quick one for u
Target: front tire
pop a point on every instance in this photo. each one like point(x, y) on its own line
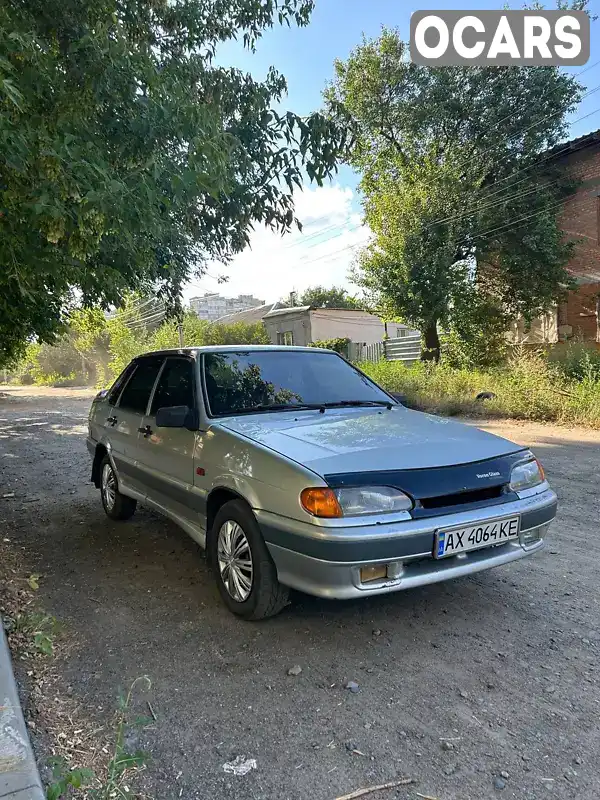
point(116, 505)
point(244, 570)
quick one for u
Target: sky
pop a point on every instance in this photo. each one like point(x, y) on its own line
point(323, 253)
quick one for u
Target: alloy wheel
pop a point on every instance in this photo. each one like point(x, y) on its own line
point(109, 486)
point(235, 561)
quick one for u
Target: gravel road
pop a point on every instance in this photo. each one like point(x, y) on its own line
point(480, 688)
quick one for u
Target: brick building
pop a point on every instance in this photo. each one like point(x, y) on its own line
point(579, 316)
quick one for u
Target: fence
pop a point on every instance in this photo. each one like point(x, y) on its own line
point(404, 348)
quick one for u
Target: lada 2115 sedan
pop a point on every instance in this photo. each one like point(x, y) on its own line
point(295, 470)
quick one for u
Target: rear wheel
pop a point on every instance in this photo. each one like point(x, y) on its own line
point(244, 570)
point(116, 505)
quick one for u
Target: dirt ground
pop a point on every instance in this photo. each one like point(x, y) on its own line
point(484, 687)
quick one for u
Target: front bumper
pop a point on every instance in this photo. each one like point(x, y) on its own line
point(326, 562)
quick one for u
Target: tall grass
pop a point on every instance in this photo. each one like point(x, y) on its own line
point(530, 387)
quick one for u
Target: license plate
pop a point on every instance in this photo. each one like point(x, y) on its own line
point(474, 537)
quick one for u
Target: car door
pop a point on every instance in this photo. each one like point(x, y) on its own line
point(127, 417)
point(166, 455)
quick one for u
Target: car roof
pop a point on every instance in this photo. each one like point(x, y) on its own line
point(233, 348)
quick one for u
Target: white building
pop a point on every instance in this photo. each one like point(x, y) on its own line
point(212, 305)
point(302, 325)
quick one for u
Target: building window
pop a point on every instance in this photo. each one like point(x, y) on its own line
point(401, 332)
point(285, 337)
point(598, 218)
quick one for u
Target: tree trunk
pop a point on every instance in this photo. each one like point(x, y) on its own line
point(431, 343)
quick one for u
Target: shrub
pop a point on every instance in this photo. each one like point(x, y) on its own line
point(527, 387)
point(52, 365)
point(476, 339)
point(340, 345)
point(577, 361)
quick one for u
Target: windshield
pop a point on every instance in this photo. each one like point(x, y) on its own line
point(246, 381)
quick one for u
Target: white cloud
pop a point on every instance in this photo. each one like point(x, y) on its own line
point(273, 265)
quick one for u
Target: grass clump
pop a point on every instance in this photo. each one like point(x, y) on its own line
point(529, 386)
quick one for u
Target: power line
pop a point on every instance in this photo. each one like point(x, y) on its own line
point(485, 206)
point(135, 321)
point(483, 234)
point(331, 255)
point(533, 125)
point(512, 224)
point(497, 190)
point(577, 74)
point(145, 322)
point(484, 196)
point(133, 309)
point(587, 69)
point(555, 113)
point(302, 240)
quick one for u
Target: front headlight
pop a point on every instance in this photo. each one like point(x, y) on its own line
point(527, 475)
point(357, 500)
point(354, 501)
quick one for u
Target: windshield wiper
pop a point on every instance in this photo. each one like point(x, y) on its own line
point(264, 407)
point(357, 403)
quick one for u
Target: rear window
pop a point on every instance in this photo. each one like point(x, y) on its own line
point(136, 393)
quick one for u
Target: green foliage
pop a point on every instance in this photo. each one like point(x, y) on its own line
point(65, 779)
point(527, 387)
point(578, 362)
point(57, 365)
point(320, 297)
point(95, 349)
point(455, 193)
point(340, 345)
point(129, 158)
point(125, 343)
point(40, 628)
point(122, 764)
point(477, 338)
point(237, 333)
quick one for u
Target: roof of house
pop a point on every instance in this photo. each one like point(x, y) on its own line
point(320, 309)
point(288, 310)
point(249, 316)
point(579, 143)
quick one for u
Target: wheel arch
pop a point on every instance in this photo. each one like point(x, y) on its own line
point(99, 454)
point(215, 501)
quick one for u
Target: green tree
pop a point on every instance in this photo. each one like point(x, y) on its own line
point(128, 158)
point(457, 193)
point(321, 297)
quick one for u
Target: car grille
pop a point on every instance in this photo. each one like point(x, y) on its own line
point(462, 498)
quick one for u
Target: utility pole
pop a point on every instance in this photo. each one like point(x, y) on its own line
point(180, 331)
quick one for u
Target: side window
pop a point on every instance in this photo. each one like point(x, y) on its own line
point(115, 389)
point(136, 393)
point(176, 385)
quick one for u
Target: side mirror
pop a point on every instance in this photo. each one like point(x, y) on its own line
point(399, 398)
point(178, 417)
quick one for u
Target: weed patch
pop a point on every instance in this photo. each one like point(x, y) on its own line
point(530, 386)
point(114, 782)
point(87, 760)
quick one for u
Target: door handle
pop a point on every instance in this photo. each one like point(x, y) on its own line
point(147, 431)
point(112, 421)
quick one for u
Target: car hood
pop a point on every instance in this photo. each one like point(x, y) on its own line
point(369, 440)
